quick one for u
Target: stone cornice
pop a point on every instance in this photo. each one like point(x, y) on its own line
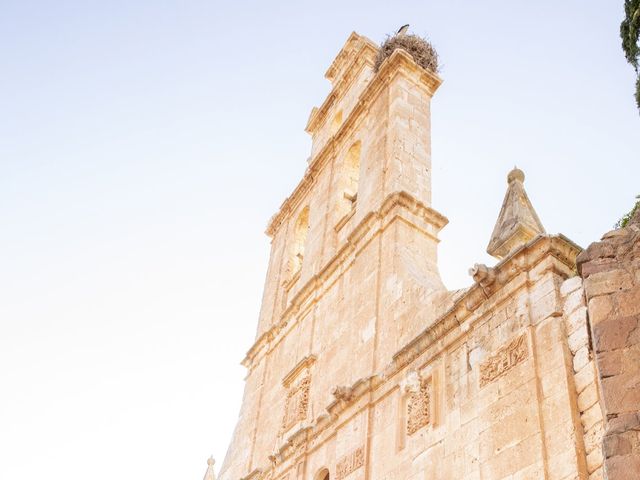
point(522, 259)
point(372, 223)
point(389, 69)
point(306, 362)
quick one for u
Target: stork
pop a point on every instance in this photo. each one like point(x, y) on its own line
point(403, 29)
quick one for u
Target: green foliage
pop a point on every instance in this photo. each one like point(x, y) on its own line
point(630, 35)
point(624, 221)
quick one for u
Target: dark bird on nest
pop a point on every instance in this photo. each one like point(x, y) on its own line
point(403, 29)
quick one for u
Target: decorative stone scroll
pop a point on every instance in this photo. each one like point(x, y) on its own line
point(504, 360)
point(418, 406)
point(297, 403)
point(350, 463)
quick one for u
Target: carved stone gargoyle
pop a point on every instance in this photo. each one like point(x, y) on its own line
point(482, 274)
point(344, 394)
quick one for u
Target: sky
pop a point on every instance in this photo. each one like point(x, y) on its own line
point(145, 144)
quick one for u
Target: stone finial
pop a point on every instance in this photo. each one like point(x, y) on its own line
point(210, 474)
point(517, 222)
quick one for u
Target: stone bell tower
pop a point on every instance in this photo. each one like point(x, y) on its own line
point(365, 367)
point(353, 268)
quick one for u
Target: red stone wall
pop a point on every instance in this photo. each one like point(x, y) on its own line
point(611, 273)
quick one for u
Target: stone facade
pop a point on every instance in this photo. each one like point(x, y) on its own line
point(365, 367)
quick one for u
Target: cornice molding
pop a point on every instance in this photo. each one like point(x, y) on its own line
point(369, 226)
point(306, 362)
point(521, 260)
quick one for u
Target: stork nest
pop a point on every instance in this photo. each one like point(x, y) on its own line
point(419, 48)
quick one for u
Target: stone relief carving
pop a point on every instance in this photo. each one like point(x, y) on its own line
point(504, 360)
point(297, 403)
point(350, 463)
point(418, 404)
point(342, 393)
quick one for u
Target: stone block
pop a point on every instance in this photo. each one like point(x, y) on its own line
point(621, 392)
point(598, 265)
point(585, 376)
point(609, 363)
point(591, 417)
point(577, 319)
point(628, 302)
point(578, 339)
point(594, 251)
point(581, 358)
point(623, 467)
point(587, 397)
point(573, 301)
point(613, 334)
point(594, 460)
point(570, 285)
point(614, 445)
point(593, 436)
point(602, 283)
point(623, 423)
point(600, 308)
point(561, 465)
point(598, 474)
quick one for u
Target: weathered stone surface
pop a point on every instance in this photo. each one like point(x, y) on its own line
point(612, 287)
point(616, 445)
point(584, 377)
point(366, 367)
point(607, 282)
point(590, 418)
point(614, 334)
point(570, 285)
point(581, 358)
point(578, 339)
point(594, 459)
point(577, 319)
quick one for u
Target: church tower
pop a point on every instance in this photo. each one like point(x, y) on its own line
point(364, 367)
point(353, 273)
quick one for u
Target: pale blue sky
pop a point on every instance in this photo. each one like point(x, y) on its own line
point(145, 144)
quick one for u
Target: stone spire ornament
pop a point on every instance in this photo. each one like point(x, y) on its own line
point(518, 222)
point(210, 474)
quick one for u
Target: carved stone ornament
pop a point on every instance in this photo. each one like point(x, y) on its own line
point(418, 406)
point(297, 403)
point(504, 360)
point(482, 274)
point(343, 393)
point(350, 463)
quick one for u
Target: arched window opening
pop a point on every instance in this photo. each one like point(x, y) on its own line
point(299, 240)
point(336, 122)
point(322, 475)
point(352, 173)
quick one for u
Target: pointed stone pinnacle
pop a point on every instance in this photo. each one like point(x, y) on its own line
point(210, 473)
point(517, 222)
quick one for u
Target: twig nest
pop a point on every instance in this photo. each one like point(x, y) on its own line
point(420, 49)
